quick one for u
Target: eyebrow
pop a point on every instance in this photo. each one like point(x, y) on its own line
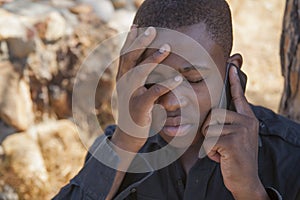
point(195, 67)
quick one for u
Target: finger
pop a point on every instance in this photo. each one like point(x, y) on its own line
point(221, 129)
point(159, 89)
point(131, 37)
point(216, 147)
point(211, 149)
point(138, 47)
point(222, 116)
point(226, 142)
point(131, 55)
point(237, 93)
point(207, 149)
point(147, 66)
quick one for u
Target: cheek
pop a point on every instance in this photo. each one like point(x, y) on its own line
point(203, 100)
point(203, 95)
point(209, 92)
point(208, 96)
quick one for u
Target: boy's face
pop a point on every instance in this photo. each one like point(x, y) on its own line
point(188, 105)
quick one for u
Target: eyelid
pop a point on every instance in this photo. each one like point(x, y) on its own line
point(196, 81)
point(200, 68)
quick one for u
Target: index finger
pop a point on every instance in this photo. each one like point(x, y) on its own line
point(241, 104)
point(133, 48)
point(131, 36)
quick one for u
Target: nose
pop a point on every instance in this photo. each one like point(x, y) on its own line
point(171, 102)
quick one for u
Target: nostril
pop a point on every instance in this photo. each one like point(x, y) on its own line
point(183, 101)
point(173, 113)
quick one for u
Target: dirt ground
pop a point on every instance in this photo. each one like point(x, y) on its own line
point(257, 30)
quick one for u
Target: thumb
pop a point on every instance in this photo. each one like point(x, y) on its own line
point(238, 97)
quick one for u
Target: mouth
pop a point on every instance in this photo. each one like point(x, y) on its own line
point(177, 130)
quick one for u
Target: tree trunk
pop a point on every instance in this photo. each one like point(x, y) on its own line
point(290, 60)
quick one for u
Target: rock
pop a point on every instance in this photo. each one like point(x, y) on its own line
point(138, 3)
point(2, 155)
point(5, 130)
point(63, 3)
point(52, 28)
point(81, 9)
point(90, 80)
point(19, 48)
point(62, 150)
point(15, 99)
point(1, 151)
point(7, 192)
point(72, 21)
point(119, 3)
point(104, 9)
point(59, 100)
point(16, 28)
point(40, 161)
point(4, 1)
point(24, 159)
point(43, 63)
point(122, 20)
point(4, 55)
point(56, 26)
point(29, 9)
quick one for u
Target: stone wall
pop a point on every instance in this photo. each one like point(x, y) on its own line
point(43, 44)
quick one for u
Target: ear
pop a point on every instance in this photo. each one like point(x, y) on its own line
point(236, 59)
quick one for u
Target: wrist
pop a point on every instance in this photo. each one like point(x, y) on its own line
point(126, 141)
point(258, 193)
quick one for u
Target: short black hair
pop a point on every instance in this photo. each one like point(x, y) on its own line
point(173, 14)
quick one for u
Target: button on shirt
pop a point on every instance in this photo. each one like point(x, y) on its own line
point(278, 163)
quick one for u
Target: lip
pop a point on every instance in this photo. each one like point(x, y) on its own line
point(174, 121)
point(177, 130)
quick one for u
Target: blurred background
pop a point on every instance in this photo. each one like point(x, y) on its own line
point(42, 46)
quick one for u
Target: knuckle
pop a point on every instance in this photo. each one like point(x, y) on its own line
point(254, 123)
point(155, 58)
point(157, 89)
point(218, 113)
point(138, 72)
point(234, 141)
point(243, 129)
point(238, 98)
point(142, 42)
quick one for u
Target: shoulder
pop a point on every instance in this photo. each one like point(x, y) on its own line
point(279, 153)
point(275, 125)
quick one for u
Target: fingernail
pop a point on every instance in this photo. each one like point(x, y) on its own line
point(178, 78)
point(235, 70)
point(148, 31)
point(202, 153)
point(164, 48)
point(133, 26)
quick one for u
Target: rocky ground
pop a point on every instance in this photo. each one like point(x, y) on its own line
point(43, 44)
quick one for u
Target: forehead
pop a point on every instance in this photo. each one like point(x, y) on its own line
point(190, 45)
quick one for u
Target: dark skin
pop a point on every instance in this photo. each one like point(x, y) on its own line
point(237, 147)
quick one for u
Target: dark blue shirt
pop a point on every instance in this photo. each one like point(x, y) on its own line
point(278, 164)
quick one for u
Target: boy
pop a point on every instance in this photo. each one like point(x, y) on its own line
point(245, 153)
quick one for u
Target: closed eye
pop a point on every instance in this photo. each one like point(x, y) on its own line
point(196, 81)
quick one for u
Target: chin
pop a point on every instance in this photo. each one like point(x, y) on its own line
point(182, 136)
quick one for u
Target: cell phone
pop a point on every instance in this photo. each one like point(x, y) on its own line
point(226, 98)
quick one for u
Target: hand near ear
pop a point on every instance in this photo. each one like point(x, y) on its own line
point(231, 139)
